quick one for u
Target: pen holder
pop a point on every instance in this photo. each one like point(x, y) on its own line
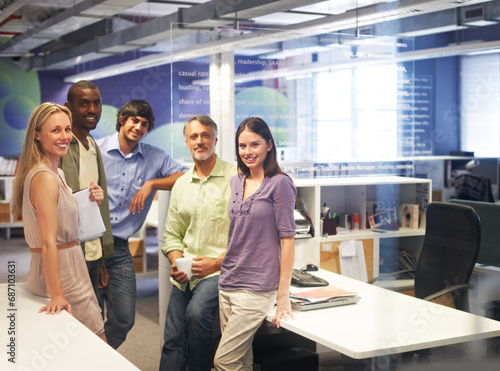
point(330, 226)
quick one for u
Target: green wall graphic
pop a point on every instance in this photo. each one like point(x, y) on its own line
point(19, 95)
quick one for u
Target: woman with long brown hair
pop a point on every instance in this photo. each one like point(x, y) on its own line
point(257, 267)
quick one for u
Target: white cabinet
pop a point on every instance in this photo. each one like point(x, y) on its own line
point(355, 195)
point(6, 219)
point(144, 255)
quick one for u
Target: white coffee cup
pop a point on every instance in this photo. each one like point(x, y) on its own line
point(184, 264)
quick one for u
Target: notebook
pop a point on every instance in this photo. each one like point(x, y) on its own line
point(90, 224)
point(324, 297)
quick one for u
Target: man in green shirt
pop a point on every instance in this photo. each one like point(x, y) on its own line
point(82, 164)
point(197, 226)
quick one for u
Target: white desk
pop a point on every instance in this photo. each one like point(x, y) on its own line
point(57, 342)
point(385, 322)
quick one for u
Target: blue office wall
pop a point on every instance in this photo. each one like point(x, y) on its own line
point(154, 85)
point(446, 106)
point(33, 88)
point(444, 134)
point(444, 73)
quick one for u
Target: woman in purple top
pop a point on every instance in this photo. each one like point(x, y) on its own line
point(257, 267)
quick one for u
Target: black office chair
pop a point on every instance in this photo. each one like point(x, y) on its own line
point(448, 255)
point(474, 187)
point(489, 255)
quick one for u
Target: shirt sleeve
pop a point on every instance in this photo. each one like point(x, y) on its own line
point(284, 204)
point(170, 166)
point(175, 230)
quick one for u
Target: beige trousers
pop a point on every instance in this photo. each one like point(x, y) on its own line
point(241, 314)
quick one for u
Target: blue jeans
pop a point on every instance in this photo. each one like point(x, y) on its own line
point(119, 297)
point(188, 327)
point(93, 268)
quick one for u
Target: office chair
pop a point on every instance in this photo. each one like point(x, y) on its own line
point(489, 255)
point(448, 255)
point(469, 186)
point(489, 214)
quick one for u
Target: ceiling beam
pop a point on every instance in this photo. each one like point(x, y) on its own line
point(221, 13)
point(374, 14)
point(12, 8)
point(432, 23)
point(218, 12)
point(368, 15)
point(69, 20)
point(208, 14)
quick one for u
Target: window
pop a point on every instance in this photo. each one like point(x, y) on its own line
point(480, 105)
point(357, 114)
point(334, 115)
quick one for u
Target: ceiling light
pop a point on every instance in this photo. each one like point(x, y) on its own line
point(480, 23)
point(432, 31)
point(475, 16)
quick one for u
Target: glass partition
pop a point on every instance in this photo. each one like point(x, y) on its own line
point(337, 104)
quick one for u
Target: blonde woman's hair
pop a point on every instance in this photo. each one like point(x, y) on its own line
point(32, 154)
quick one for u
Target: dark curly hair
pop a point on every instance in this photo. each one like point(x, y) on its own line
point(134, 108)
point(82, 84)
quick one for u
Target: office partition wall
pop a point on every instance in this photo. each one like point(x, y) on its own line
point(328, 97)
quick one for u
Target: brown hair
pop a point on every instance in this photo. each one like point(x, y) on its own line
point(259, 126)
point(136, 108)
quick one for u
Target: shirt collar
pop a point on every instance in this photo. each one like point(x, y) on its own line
point(218, 170)
point(114, 145)
point(75, 140)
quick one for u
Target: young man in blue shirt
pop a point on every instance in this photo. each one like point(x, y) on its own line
point(134, 171)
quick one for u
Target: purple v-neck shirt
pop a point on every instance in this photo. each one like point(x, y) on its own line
point(252, 260)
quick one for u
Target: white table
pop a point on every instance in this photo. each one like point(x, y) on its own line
point(385, 322)
point(51, 342)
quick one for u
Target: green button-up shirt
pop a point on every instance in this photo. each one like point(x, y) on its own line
point(197, 220)
point(70, 165)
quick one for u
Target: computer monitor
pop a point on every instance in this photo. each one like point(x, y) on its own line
point(489, 215)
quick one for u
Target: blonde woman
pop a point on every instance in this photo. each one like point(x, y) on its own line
point(50, 216)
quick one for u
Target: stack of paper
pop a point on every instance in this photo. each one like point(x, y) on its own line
point(8, 166)
point(321, 294)
point(323, 297)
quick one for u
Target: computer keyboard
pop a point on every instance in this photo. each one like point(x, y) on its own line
point(303, 278)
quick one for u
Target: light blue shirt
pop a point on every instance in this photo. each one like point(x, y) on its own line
point(125, 175)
